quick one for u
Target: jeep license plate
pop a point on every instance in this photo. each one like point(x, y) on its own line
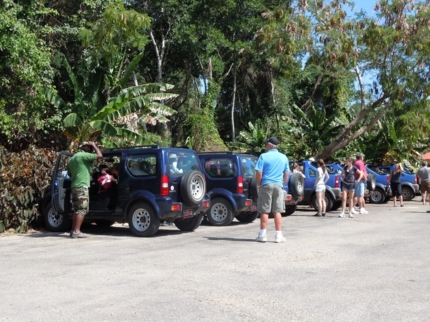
point(187, 213)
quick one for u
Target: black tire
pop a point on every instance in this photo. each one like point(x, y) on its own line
point(371, 182)
point(253, 189)
point(377, 196)
point(328, 199)
point(104, 223)
point(296, 185)
point(189, 224)
point(142, 220)
point(57, 222)
point(336, 205)
point(408, 193)
point(247, 216)
point(387, 198)
point(193, 188)
point(220, 212)
point(289, 210)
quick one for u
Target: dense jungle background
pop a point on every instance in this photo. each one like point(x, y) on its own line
point(327, 79)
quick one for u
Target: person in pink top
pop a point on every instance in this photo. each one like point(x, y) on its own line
point(360, 186)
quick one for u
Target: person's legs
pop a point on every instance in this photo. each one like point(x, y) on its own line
point(264, 219)
point(344, 197)
point(278, 221)
point(324, 204)
point(264, 203)
point(319, 202)
point(80, 198)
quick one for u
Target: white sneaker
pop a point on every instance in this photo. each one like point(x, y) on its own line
point(351, 215)
point(363, 211)
point(280, 239)
point(261, 239)
point(342, 214)
point(353, 212)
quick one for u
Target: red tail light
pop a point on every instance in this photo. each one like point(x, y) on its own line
point(336, 181)
point(387, 180)
point(416, 179)
point(164, 190)
point(240, 184)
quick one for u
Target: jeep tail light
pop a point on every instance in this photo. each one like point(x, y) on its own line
point(387, 180)
point(336, 181)
point(416, 180)
point(206, 204)
point(164, 191)
point(240, 184)
point(175, 207)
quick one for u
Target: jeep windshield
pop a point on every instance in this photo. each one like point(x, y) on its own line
point(181, 162)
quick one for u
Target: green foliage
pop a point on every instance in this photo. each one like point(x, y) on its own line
point(24, 177)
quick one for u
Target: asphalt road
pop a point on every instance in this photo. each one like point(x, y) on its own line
point(374, 267)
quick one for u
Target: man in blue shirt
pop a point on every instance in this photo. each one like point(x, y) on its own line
point(272, 172)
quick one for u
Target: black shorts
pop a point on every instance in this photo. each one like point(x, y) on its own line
point(396, 189)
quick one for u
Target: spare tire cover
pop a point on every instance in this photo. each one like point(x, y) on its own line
point(296, 185)
point(253, 189)
point(371, 182)
point(192, 187)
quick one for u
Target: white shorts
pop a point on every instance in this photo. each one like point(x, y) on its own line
point(320, 188)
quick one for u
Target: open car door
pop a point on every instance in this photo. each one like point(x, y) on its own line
point(61, 184)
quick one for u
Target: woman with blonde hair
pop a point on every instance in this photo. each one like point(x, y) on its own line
point(320, 187)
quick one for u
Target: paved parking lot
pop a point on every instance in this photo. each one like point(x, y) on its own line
point(374, 267)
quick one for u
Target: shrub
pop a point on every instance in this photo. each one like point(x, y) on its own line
point(23, 179)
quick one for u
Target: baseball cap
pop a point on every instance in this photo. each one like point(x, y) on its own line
point(272, 140)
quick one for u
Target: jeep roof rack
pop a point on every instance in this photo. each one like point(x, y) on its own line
point(152, 146)
point(218, 152)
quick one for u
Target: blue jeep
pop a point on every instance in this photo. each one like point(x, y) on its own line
point(410, 186)
point(154, 184)
point(231, 184)
point(382, 192)
point(333, 192)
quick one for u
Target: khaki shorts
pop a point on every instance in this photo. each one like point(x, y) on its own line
point(271, 198)
point(425, 186)
point(81, 200)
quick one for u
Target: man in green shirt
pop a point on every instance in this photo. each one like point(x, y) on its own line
point(80, 169)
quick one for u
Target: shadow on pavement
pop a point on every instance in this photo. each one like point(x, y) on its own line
point(231, 239)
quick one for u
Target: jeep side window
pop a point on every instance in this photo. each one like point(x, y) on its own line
point(312, 173)
point(248, 165)
point(182, 162)
point(142, 165)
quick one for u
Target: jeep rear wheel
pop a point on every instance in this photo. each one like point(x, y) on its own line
point(328, 200)
point(247, 216)
point(408, 193)
point(289, 210)
point(371, 182)
point(220, 213)
point(193, 188)
point(55, 221)
point(142, 220)
point(253, 189)
point(189, 224)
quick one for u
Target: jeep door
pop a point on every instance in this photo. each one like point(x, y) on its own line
point(61, 184)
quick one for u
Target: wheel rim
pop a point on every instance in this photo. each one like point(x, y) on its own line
point(299, 187)
point(219, 212)
point(197, 188)
point(376, 196)
point(406, 193)
point(141, 219)
point(54, 219)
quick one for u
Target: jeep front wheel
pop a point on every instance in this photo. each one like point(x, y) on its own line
point(142, 220)
point(55, 221)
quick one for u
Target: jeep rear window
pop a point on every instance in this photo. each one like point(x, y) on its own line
point(182, 162)
point(248, 165)
point(142, 165)
point(221, 168)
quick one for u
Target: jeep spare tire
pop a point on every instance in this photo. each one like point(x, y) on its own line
point(192, 187)
point(253, 189)
point(371, 182)
point(296, 185)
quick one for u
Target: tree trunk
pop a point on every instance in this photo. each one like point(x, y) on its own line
point(233, 134)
